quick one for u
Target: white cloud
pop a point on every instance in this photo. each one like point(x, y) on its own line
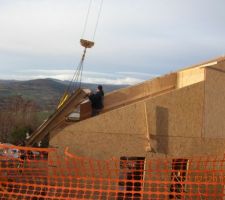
point(116, 81)
point(141, 36)
point(128, 78)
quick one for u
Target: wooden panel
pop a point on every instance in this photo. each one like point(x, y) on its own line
point(135, 93)
point(124, 130)
point(175, 119)
point(116, 133)
point(190, 76)
point(178, 113)
point(126, 120)
point(100, 145)
point(182, 147)
point(215, 101)
point(59, 116)
point(206, 63)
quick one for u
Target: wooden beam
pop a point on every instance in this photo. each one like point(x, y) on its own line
point(60, 115)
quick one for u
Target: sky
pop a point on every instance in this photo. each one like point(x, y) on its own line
point(135, 40)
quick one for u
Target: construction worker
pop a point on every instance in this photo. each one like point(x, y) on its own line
point(97, 100)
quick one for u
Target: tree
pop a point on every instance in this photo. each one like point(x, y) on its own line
point(17, 116)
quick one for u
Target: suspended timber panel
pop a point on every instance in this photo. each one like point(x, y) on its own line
point(58, 117)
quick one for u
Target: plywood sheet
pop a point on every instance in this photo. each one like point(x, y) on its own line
point(177, 113)
point(100, 145)
point(132, 94)
point(215, 102)
point(182, 147)
point(59, 116)
point(126, 120)
point(119, 132)
point(190, 76)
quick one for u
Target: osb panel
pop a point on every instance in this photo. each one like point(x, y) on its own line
point(215, 101)
point(100, 145)
point(58, 116)
point(181, 147)
point(126, 120)
point(177, 113)
point(131, 94)
point(190, 76)
point(205, 64)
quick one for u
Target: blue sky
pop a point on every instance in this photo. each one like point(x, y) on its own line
point(135, 40)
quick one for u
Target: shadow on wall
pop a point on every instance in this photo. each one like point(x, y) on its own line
point(162, 125)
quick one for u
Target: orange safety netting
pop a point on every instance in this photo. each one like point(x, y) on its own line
point(45, 174)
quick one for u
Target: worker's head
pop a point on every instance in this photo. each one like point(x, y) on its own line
point(99, 88)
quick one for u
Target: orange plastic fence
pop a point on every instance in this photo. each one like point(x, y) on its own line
point(45, 174)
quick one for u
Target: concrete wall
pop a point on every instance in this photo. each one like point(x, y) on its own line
point(215, 101)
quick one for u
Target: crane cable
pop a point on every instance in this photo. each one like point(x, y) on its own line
point(76, 80)
point(86, 18)
point(97, 22)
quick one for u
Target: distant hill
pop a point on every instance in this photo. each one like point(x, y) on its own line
point(45, 92)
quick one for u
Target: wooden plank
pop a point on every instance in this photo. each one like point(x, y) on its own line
point(190, 77)
point(59, 116)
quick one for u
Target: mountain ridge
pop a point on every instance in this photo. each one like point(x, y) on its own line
point(44, 92)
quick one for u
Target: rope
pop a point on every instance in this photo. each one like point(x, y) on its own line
point(99, 14)
point(77, 77)
point(86, 19)
point(81, 67)
point(75, 82)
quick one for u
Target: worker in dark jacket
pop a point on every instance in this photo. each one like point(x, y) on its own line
point(97, 100)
